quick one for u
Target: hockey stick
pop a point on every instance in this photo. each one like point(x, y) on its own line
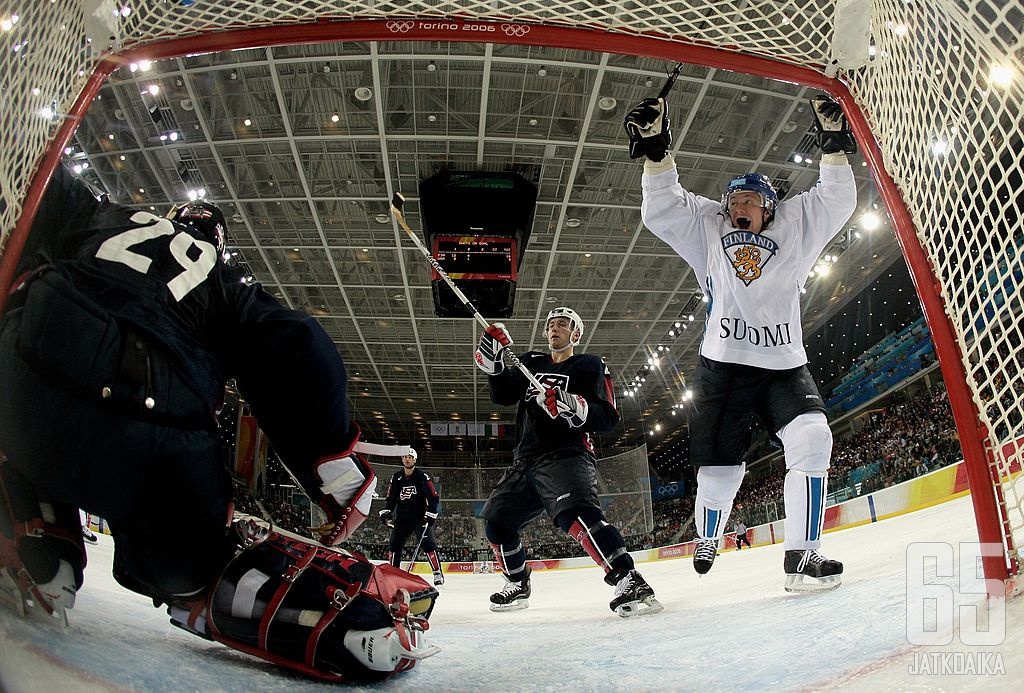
point(419, 544)
point(637, 147)
point(396, 209)
point(671, 80)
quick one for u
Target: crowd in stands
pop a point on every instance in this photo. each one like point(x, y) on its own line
point(891, 445)
point(887, 445)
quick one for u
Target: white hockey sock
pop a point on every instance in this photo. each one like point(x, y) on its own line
point(716, 489)
point(805, 509)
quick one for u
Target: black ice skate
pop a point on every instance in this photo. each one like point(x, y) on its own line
point(634, 597)
point(514, 596)
point(704, 555)
point(88, 535)
point(438, 578)
point(809, 571)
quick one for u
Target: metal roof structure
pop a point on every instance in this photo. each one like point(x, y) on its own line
point(303, 147)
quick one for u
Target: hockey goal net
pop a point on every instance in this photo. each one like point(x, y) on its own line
point(935, 102)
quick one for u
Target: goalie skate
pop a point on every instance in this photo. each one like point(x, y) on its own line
point(50, 600)
point(809, 571)
point(634, 597)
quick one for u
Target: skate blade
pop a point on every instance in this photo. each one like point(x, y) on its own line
point(805, 583)
point(517, 605)
point(644, 607)
point(28, 604)
point(44, 607)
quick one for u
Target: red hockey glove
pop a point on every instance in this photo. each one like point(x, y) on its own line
point(494, 340)
point(557, 402)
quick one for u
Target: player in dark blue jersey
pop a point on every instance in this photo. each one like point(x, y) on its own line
point(553, 462)
point(411, 509)
point(115, 347)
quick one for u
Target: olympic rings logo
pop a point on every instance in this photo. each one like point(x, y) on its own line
point(403, 27)
point(515, 29)
point(668, 489)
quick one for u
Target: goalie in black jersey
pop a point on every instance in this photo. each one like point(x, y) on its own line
point(553, 462)
point(115, 347)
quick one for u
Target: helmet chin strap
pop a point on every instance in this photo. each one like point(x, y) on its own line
point(568, 346)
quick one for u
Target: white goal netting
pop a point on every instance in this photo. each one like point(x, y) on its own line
point(941, 90)
point(623, 485)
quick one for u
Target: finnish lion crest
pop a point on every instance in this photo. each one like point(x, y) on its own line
point(748, 253)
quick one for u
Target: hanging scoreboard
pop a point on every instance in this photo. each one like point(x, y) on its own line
point(477, 226)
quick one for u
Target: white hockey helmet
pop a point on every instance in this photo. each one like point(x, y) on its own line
point(575, 322)
point(412, 453)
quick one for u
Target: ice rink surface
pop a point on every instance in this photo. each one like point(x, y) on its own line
point(734, 629)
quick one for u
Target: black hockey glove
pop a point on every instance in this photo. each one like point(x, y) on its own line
point(648, 129)
point(831, 131)
point(429, 518)
point(386, 518)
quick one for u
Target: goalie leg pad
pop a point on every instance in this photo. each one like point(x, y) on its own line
point(292, 602)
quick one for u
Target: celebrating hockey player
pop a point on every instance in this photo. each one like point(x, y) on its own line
point(115, 347)
point(751, 254)
point(553, 462)
point(410, 509)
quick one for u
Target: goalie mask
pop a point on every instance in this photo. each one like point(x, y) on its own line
point(207, 219)
point(575, 323)
point(756, 183)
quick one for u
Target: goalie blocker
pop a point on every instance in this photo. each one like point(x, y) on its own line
point(320, 611)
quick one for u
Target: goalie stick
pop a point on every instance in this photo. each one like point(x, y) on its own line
point(396, 209)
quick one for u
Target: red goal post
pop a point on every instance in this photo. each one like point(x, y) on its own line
point(935, 107)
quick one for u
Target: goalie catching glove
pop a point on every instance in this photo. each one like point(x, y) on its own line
point(557, 402)
point(831, 131)
point(648, 128)
point(493, 342)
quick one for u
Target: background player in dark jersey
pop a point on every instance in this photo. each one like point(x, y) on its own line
point(553, 462)
point(115, 347)
point(410, 509)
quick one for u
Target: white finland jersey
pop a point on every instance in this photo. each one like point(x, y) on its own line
point(752, 281)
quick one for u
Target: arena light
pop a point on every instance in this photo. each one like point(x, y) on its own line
point(870, 221)
point(1001, 75)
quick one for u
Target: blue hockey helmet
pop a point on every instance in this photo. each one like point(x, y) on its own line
point(752, 182)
